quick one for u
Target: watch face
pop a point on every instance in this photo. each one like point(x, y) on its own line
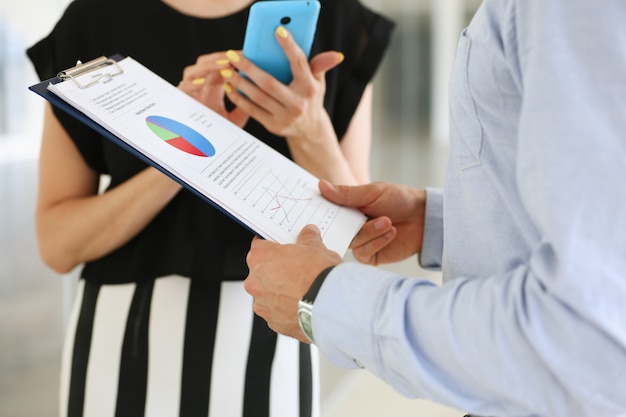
point(304, 319)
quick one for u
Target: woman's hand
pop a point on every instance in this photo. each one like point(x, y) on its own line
point(204, 82)
point(294, 110)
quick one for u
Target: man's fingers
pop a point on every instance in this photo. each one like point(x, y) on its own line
point(371, 239)
point(371, 230)
point(257, 252)
point(368, 253)
point(255, 240)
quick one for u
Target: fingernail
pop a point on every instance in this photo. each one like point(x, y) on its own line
point(312, 227)
point(198, 81)
point(380, 224)
point(282, 32)
point(232, 55)
point(227, 88)
point(341, 57)
point(331, 185)
point(223, 61)
point(226, 73)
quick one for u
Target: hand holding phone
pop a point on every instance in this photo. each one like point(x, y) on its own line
point(299, 17)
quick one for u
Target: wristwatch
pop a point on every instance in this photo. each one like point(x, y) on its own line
point(305, 305)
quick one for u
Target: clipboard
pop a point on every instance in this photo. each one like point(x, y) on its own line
point(72, 73)
point(337, 224)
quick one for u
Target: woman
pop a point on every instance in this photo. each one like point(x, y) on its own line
point(161, 323)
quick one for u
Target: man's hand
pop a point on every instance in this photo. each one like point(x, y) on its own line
point(281, 274)
point(396, 228)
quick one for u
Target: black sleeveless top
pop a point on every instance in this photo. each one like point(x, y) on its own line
point(190, 237)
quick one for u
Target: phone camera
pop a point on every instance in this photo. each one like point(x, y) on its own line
point(285, 20)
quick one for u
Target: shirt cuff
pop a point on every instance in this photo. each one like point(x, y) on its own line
point(345, 311)
point(360, 321)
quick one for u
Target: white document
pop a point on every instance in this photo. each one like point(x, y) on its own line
point(254, 183)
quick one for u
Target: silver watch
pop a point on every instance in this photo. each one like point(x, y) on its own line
point(305, 316)
point(305, 305)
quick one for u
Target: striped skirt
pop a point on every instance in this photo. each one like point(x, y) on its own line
point(176, 347)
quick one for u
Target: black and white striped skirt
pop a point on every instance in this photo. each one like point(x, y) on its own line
point(176, 347)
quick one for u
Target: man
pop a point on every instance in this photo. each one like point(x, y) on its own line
point(530, 232)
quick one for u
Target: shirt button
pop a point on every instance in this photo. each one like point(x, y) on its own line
point(359, 364)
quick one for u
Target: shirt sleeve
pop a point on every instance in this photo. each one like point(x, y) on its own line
point(547, 335)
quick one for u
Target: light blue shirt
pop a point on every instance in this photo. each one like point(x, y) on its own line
point(530, 231)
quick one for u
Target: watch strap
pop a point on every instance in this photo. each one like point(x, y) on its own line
point(310, 295)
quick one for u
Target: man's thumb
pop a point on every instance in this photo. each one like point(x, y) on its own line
point(331, 192)
point(310, 234)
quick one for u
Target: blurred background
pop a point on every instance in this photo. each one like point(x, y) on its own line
point(410, 147)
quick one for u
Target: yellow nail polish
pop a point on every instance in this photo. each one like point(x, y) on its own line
point(226, 73)
point(282, 32)
point(198, 81)
point(341, 57)
point(222, 61)
point(227, 88)
point(232, 55)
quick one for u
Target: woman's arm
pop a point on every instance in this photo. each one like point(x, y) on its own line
point(345, 162)
point(76, 224)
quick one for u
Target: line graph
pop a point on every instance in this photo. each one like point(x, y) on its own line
point(282, 200)
point(286, 201)
point(283, 197)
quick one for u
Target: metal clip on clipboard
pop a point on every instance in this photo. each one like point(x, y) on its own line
point(95, 64)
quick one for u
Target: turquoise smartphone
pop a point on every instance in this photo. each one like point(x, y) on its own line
point(299, 17)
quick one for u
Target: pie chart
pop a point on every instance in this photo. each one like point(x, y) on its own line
point(180, 136)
